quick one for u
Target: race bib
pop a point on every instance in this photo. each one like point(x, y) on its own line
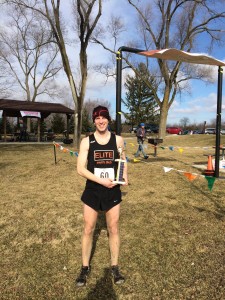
point(105, 173)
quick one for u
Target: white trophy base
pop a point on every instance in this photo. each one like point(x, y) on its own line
point(119, 182)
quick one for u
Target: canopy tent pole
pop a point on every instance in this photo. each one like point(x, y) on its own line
point(118, 91)
point(218, 120)
point(119, 83)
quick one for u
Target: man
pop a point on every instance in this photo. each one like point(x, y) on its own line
point(96, 163)
point(141, 134)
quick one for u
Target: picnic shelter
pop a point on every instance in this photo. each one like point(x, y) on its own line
point(28, 109)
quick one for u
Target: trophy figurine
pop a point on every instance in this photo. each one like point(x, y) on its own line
point(119, 174)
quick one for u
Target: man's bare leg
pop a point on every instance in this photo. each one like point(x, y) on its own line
point(112, 220)
point(90, 218)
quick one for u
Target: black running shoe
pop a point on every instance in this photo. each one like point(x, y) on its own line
point(146, 156)
point(118, 278)
point(82, 278)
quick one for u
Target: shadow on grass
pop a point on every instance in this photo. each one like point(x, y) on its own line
point(155, 159)
point(204, 162)
point(219, 212)
point(219, 208)
point(18, 147)
point(5, 165)
point(103, 288)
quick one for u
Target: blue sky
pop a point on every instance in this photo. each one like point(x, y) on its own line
point(200, 106)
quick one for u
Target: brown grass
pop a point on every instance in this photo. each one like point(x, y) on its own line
point(172, 229)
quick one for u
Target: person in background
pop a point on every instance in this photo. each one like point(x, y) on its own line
point(141, 135)
point(96, 163)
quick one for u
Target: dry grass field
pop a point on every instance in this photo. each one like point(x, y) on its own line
point(172, 229)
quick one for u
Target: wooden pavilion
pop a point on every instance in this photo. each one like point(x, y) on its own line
point(39, 110)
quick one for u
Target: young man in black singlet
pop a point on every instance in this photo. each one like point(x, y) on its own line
point(96, 163)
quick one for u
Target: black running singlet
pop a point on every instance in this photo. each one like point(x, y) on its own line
point(101, 158)
point(101, 162)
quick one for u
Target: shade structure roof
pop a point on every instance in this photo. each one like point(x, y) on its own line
point(12, 108)
point(179, 55)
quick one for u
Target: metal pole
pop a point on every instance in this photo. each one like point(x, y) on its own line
point(118, 91)
point(54, 154)
point(218, 121)
point(119, 83)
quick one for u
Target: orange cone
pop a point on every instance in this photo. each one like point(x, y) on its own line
point(209, 171)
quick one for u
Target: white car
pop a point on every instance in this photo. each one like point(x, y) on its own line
point(222, 131)
point(210, 131)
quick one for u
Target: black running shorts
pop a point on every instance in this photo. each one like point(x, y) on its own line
point(102, 198)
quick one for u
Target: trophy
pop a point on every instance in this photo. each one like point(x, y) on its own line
point(119, 174)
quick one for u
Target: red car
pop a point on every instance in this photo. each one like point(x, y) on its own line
point(174, 130)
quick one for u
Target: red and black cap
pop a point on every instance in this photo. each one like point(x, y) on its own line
point(100, 111)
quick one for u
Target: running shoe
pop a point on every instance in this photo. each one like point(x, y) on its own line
point(82, 278)
point(146, 156)
point(118, 278)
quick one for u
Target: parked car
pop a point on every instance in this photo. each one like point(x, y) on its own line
point(174, 130)
point(185, 132)
point(222, 131)
point(134, 128)
point(198, 132)
point(152, 128)
point(148, 128)
point(210, 131)
point(192, 132)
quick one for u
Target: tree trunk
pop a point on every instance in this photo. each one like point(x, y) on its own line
point(75, 132)
point(79, 121)
point(164, 114)
point(80, 98)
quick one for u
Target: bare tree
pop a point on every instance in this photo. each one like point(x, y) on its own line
point(87, 14)
point(6, 83)
point(184, 122)
point(28, 54)
point(113, 30)
point(177, 24)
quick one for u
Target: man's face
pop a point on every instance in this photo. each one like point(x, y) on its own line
point(101, 124)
